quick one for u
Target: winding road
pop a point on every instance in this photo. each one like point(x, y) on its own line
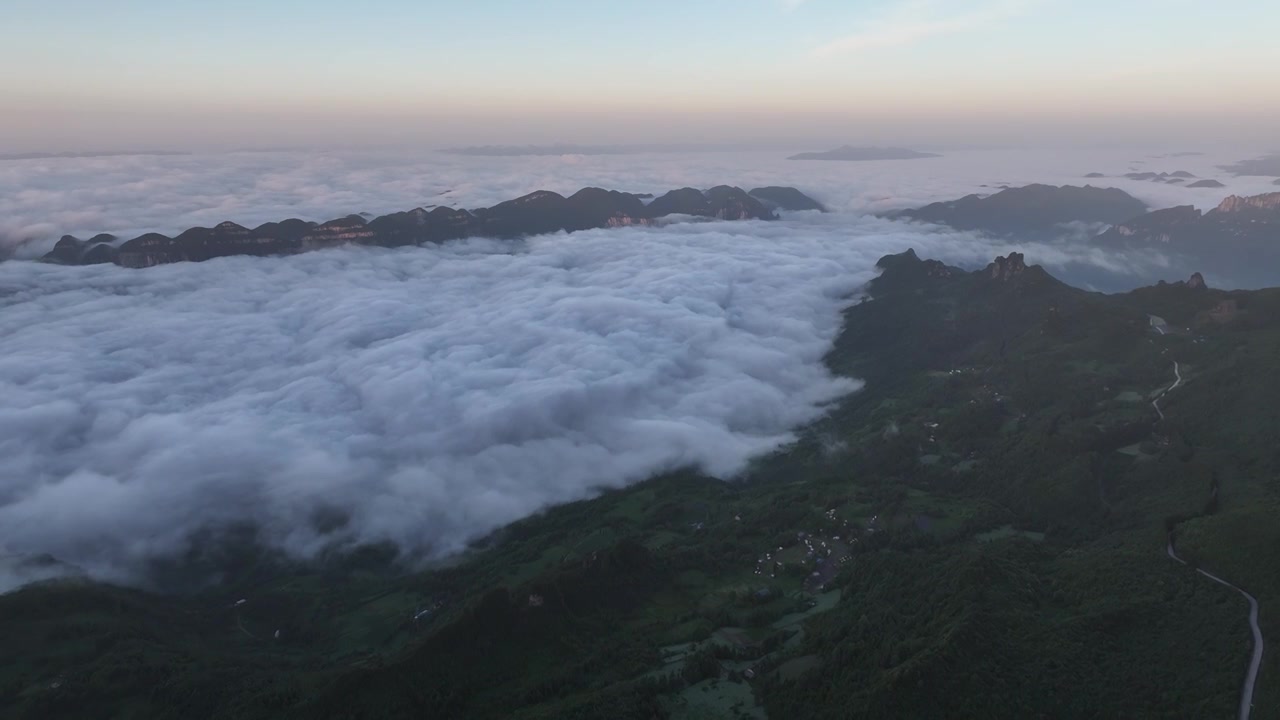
point(1177, 373)
point(1251, 679)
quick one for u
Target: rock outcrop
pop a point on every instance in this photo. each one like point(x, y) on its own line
point(536, 213)
point(1238, 240)
point(1235, 203)
point(1005, 269)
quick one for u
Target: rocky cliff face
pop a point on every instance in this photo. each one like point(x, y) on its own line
point(1004, 278)
point(535, 213)
point(1005, 269)
point(1157, 226)
point(1249, 220)
point(1237, 242)
point(1235, 203)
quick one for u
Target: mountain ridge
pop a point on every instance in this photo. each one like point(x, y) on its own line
point(1035, 209)
point(850, 153)
point(538, 212)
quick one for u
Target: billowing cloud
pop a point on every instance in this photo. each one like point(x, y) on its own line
point(425, 396)
point(421, 396)
point(43, 199)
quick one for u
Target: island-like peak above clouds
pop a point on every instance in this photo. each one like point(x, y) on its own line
point(536, 213)
point(1267, 165)
point(851, 153)
point(1030, 210)
point(786, 198)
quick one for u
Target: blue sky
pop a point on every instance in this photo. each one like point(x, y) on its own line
point(237, 68)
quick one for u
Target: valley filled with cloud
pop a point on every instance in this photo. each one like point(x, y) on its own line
point(420, 396)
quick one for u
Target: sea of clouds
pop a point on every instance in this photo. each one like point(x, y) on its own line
point(40, 200)
point(425, 396)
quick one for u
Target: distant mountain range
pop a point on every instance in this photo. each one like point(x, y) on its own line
point(573, 149)
point(1033, 211)
point(1266, 165)
point(1173, 178)
point(1238, 240)
point(850, 153)
point(1176, 177)
point(535, 213)
point(91, 154)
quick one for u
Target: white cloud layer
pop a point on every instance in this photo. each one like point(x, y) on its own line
point(430, 394)
point(42, 199)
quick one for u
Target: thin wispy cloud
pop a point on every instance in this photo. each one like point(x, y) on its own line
point(918, 20)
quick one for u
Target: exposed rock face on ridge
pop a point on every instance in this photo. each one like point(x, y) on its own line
point(1236, 220)
point(1239, 240)
point(1156, 226)
point(535, 213)
point(1005, 269)
point(1236, 203)
point(1005, 276)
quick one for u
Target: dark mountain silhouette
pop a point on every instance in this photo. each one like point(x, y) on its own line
point(1176, 176)
point(535, 213)
point(574, 149)
point(851, 153)
point(88, 154)
point(1034, 210)
point(1267, 165)
point(1206, 184)
point(1240, 238)
point(906, 272)
point(786, 198)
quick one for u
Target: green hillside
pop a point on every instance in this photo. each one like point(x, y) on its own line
point(979, 532)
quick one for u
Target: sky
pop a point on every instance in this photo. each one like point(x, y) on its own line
point(183, 74)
